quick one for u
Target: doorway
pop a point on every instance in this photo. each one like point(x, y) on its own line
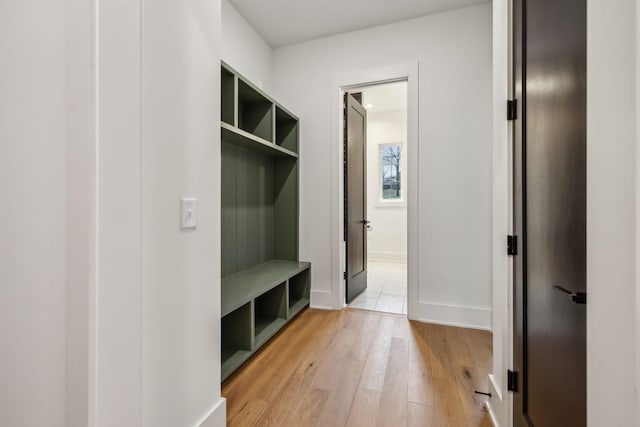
point(385, 215)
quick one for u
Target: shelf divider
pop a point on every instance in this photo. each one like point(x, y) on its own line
point(245, 139)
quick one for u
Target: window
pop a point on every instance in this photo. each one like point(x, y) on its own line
point(391, 172)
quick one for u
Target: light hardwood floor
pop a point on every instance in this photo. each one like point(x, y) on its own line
point(363, 368)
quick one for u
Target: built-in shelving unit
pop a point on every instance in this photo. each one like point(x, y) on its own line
point(264, 284)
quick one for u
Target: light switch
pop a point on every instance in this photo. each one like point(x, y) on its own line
point(188, 213)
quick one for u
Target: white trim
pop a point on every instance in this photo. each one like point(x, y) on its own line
point(355, 78)
point(637, 165)
point(454, 315)
point(389, 206)
point(92, 293)
point(115, 395)
point(500, 405)
point(492, 416)
point(217, 416)
point(495, 419)
point(502, 221)
point(493, 388)
point(322, 300)
point(379, 256)
point(82, 210)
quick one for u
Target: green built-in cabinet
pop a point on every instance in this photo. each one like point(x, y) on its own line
point(264, 284)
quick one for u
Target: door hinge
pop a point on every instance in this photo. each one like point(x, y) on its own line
point(512, 245)
point(345, 275)
point(512, 109)
point(512, 380)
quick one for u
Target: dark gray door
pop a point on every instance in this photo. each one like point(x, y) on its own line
point(550, 212)
point(355, 190)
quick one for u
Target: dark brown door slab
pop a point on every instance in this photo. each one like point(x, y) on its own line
point(355, 188)
point(550, 212)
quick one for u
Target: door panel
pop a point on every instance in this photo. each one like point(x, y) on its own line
point(550, 211)
point(355, 197)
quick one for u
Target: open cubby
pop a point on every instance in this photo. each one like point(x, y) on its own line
point(286, 130)
point(299, 291)
point(227, 96)
point(259, 208)
point(255, 112)
point(248, 284)
point(236, 337)
point(270, 312)
point(263, 281)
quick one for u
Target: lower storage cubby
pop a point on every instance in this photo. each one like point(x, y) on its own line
point(299, 291)
point(256, 304)
point(236, 338)
point(270, 313)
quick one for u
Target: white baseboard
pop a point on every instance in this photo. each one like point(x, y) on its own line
point(398, 257)
point(454, 315)
point(217, 416)
point(499, 405)
point(494, 405)
point(322, 300)
point(492, 415)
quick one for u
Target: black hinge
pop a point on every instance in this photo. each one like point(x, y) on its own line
point(512, 381)
point(512, 245)
point(345, 275)
point(512, 109)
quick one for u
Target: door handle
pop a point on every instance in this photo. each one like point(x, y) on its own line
point(577, 297)
point(365, 222)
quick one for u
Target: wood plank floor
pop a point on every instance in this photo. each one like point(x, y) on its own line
point(363, 368)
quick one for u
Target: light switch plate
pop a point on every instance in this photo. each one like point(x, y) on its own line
point(188, 213)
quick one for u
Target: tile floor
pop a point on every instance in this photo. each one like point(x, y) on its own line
point(386, 288)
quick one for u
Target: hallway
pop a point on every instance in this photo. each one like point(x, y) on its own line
point(361, 368)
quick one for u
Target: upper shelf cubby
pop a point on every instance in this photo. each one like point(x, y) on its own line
point(251, 118)
point(286, 130)
point(255, 112)
point(228, 96)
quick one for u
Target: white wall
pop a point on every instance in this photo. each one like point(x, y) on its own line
point(612, 215)
point(637, 138)
point(244, 49)
point(387, 239)
point(154, 330)
point(33, 214)
point(108, 314)
point(180, 158)
point(454, 50)
point(154, 322)
point(117, 293)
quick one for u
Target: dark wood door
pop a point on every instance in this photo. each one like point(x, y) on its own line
point(355, 190)
point(550, 212)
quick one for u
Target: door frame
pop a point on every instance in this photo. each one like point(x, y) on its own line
point(501, 404)
point(348, 80)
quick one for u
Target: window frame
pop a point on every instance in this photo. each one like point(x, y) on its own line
point(381, 202)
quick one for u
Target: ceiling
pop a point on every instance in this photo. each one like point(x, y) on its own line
point(284, 22)
point(384, 97)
